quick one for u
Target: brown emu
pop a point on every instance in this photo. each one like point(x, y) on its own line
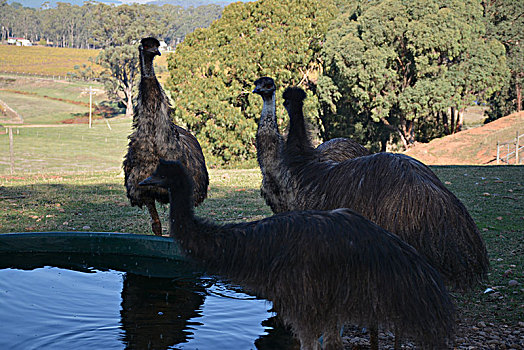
point(276, 188)
point(395, 191)
point(155, 136)
point(320, 269)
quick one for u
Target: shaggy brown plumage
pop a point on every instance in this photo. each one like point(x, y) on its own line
point(320, 269)
point(397, 192)
point(270, 144)
point(155, 136)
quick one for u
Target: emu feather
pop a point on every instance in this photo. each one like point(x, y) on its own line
point(395, 191)
point(155, 136)
point(321, 269)
point(270, 145)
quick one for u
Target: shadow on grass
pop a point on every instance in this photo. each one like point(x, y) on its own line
point(493, 196)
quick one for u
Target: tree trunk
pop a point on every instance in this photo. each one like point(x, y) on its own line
point(445, 122)
point(452, 114)
point(519, 97)
point(129, 104)
point(460, 120)
point(407, 132)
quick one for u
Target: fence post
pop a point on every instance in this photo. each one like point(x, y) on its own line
point(90, 104)
point(498, 152)
point(11, 151)
point(517, 148)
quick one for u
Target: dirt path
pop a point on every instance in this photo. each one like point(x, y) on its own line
point(470, 147)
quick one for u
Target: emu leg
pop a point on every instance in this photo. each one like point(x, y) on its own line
point(332, 339)
point(397, 339)
point(156, 225)
point(373, 338)
point(308, 342)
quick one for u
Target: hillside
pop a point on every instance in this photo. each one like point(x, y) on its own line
point(44, 61)
point(472, 146)
point(56, 61)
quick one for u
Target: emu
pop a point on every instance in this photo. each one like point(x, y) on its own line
point(155, 136)
point(276, 188)
point(320, 269)
point(395, 191)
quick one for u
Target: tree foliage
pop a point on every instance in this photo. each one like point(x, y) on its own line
point(506, 24)
point(405, 70)
point(66, 25)
point(213, 70)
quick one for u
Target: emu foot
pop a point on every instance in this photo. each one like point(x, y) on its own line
point(373, 338)
point(157, 227)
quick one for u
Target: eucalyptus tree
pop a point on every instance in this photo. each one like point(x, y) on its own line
point(118, 30)
point(213, 70)
point(405, 69)
point(506, 23)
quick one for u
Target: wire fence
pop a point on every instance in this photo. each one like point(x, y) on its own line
point(65, 77)
point(63, 148)
point(510, 151)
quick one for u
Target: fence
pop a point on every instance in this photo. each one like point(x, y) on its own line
point(68, 77)
point(506, 151)
point(11, 113)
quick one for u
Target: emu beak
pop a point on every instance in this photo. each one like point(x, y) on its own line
point(150, 181)
point(157, 52)
point(256, 90)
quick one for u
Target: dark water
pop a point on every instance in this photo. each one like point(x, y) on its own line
point(59, 308)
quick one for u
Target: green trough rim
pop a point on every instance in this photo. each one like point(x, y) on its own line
point(100, 243)
point(146, 255)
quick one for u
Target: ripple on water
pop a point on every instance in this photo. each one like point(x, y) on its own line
point(55, 308)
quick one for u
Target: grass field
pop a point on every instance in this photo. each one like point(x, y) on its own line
point(69, 178)
point(56, 62)
point(66, 148)
point(46, 101)
point(41, 60)
point(96, 201)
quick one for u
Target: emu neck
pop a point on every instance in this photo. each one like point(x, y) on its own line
point(298, 139)
point(181, 216)
point(268, 119)
point(146, 66)
point(276, 184)
point(152, 110)
point(268, 138)
point(203, 241)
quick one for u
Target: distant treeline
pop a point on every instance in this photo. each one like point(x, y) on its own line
point(76, 26)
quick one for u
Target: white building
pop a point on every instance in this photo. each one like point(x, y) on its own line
point(19, 42)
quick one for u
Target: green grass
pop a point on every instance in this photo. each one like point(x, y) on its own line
point(47, 202)
point(43, 101)
point(70, 90)
point(96, 201)
point(35, 110)
point(494, 196)
point(474, 116)
point(66, 148)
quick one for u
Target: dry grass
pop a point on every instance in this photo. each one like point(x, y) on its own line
point(57, 62)
point(46, 61)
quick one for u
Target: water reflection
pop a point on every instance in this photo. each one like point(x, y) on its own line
point(126, 309)
point(157, 312)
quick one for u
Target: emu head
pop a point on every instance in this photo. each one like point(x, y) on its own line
point(265, 86)
point(149, 46)
point(170, 175)
point(294, 96)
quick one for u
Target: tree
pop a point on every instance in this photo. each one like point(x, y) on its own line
point(506, 24)
point(213, 70)
point(405, 70)
point(118, 30)
point(120, 76)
